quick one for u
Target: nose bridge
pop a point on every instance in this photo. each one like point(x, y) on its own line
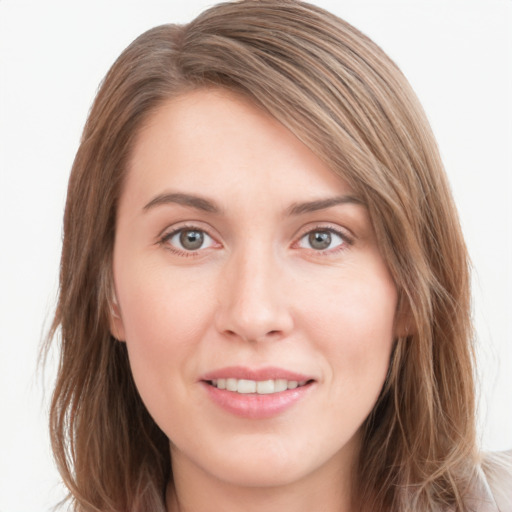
point(252, 304)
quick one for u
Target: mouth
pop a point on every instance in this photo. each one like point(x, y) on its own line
point(258, 387)
point(257, 393)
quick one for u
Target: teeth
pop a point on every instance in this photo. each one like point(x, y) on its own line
point(265, 387)
point(261, 387)
point(246, 386)
point(280, 385)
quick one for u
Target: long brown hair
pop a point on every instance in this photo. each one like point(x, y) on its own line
point(343, 97)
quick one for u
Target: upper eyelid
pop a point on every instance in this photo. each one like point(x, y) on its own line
point(190, 225)
point(173, 232)
point(344, 232)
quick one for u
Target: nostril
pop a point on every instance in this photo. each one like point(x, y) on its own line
point(274, 333)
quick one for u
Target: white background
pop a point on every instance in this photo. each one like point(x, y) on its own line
point(458, 57)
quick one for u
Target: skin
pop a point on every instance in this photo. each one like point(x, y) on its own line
point(256, 293)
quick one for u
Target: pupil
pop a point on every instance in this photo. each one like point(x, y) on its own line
point(191, 240)
point(320, 240)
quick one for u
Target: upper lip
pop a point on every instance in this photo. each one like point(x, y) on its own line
point(258, 374)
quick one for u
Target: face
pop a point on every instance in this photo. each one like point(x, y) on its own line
point(257, 310)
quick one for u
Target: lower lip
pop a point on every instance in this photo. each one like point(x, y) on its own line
point(255, 406)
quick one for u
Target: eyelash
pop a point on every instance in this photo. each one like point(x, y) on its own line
point(164, 240)
point(347, 240)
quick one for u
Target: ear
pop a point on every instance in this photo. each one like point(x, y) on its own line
point(115, 320)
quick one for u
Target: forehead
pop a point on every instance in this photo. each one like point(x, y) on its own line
point(217, 141)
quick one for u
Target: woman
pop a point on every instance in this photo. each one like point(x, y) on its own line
point(264, 288)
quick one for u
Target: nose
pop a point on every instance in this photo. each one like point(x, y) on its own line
point(253, 298)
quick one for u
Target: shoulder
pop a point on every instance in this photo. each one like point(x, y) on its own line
point(496, 479)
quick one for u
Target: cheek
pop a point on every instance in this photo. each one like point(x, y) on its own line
point(353, 306)
point(352, 322)
point(164, 320)
point(159, 306)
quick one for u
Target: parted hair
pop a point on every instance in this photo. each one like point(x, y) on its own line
point(342, 96)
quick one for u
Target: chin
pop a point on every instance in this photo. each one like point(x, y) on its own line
point(253, 474)
point(271, 462)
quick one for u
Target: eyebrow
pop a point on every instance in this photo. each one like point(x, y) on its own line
point(322, 204)
point(196, 202)
point(200, 203)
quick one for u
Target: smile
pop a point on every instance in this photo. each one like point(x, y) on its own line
point(260, 387)
point(254, 394)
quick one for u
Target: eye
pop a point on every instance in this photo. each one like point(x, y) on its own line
point(321, 240)
point(189, 239)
